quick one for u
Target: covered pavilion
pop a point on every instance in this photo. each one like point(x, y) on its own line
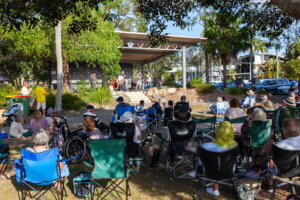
point(136, 49)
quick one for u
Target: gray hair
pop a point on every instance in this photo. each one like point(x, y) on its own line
point(41, 138)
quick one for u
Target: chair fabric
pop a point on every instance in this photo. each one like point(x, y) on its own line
point(210, 120)
point(180, 130)
point(219, 165)
point(236, 120)
point(109, 159)
point(169, 115)
point(287, 162)
point(41, 168)
point(259, 134)
point(121, 110)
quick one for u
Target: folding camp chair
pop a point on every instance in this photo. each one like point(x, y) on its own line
point(109, 164)
point(181, 146)
point(39, 173)
point(217, 167)
point(273, 115)
point(4, 157)
point(151, 119)
point(293, 112)
point(207, 132)
point(287, 163)
point(239, 120)
point(259, 134)
point(168, 115)
point(121, 110)
point(133, 150)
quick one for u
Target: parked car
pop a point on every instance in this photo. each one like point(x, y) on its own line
point(274, 86)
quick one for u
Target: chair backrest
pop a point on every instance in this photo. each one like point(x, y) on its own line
point(236, 120)
point(150, 111)
point(294, 111)
point(109, 158)
point(219, 165)
point(287, 161)
point(182, 107)
point(210, 120)
point(180, 130)
point(122, 130)
point(41, 167)
point(121, 110)
point(259, 134)
point(169, 113)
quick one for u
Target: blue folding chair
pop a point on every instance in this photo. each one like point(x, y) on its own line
point(38, 173)
point(151, 118)
point(121, 110)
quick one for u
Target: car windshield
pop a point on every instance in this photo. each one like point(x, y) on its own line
point(265, 82)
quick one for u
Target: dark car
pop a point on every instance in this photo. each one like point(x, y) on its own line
point(276, 86)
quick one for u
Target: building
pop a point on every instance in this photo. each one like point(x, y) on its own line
point(136, 50)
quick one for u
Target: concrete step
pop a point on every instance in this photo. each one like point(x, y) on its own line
point(135, 97)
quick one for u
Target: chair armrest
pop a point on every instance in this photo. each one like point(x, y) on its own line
point(68, 159)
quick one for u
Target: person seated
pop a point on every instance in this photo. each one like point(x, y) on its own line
point(182, 110)
point(40, 144)
point(290, 101)
point(226, 103)
point(250, 100)
point(218, 108)
point(298, 101)
point(128, 117)
point(16, 129)
point(90, 113)
point(38, 122)
point(121, 103)
point(292, 93)
point(291, 135)
point(169, 112)
point(224, 141)
point(90, 129)
point(233, 112)
point(142, 103)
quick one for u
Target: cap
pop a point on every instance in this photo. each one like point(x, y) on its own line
point(120, 99)
point(90, 107)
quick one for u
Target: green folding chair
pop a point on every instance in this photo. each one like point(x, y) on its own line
point(259, 134)
point(206, 132)
point(293, 112)
point(109, 164)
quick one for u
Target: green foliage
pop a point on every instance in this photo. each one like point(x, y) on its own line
point(169, 80)
point(100, 96)
point(236, 91)
point(4, 91)
point(69, 101)
point(205, 88)
point(194, 82)
point(292, 67)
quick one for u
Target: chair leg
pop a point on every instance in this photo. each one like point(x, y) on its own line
point(202, 189)
point(274, 189)
point(127, 188)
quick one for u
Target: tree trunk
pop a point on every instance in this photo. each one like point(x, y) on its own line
point(224, 63)
point(206, 68)
point(66, 75)
point(59, 70)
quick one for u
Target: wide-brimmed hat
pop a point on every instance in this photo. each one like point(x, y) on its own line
point(290, 101)
point(250, 92)
point(264, 97)
point(268, 105)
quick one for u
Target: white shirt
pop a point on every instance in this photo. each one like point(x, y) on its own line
point(24, 91)
point(16, 129)
point(290, 143)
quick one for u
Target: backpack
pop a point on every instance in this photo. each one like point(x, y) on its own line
point(82, 186)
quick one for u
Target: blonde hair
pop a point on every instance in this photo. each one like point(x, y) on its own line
point(37, 115)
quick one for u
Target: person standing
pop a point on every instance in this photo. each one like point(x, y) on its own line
point(41, 97)
point(121, 80)
point(139, 81)
point(149, 79)
point(25, 91)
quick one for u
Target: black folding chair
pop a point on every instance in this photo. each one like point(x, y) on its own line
point(287, 163)
point(133, 150)
point(218, 167)
point(181, 146)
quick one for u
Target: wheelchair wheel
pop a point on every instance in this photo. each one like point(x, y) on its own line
point(75, 146)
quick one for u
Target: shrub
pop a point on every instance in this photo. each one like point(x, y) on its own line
point(100, 95)
point(69, 101)
point(236, 91)
point(194, 82)
point(4, 91)
point(205, 88)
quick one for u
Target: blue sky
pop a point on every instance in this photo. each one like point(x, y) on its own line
point(195, 31)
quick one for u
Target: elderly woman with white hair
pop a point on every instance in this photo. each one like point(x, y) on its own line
point(41, 140)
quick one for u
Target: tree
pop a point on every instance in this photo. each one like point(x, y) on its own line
point(289, 6)
point(226, 37)
point(292, 66)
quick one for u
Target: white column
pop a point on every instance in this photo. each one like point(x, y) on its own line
point(184, 66)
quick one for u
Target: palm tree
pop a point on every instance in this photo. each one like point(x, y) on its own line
point(226, 37)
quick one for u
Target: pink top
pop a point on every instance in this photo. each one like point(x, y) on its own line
point(37, 125)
